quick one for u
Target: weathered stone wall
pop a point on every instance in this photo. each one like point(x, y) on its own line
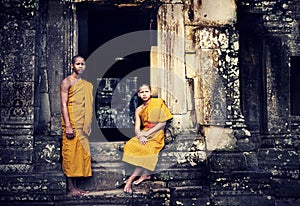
point(253, 161)
point(32, 65)
point(273, 31)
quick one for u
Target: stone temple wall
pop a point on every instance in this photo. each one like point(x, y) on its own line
point(256, 161)
point(32, 65)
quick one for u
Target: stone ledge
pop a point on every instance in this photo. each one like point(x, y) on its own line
point(31, 187)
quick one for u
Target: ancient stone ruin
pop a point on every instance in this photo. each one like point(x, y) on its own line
point(228, 70)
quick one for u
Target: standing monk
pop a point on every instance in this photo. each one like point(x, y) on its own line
point(76, 107)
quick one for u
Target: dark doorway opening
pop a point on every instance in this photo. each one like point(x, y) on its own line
point(252, 70)
point(99, 24)
point(295, 85)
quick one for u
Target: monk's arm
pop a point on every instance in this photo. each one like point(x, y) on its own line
point(157, 127)
point(137, 124)
point(64, 89)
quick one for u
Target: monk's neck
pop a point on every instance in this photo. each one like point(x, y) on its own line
point(147, 102)
point(76, 76)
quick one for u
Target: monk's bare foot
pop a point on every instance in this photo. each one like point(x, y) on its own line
point(128, 188)
point(82, 191)
point(74, 192)
point(142, 179)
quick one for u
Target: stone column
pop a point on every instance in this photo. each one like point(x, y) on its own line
point(17, 86)
point(168, 74)
point(195, 69)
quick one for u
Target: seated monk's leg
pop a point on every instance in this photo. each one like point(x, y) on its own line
point(128, 185)
point(145, 176)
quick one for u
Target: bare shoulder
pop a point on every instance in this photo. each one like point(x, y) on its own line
point(138, 109)
point(66, 83)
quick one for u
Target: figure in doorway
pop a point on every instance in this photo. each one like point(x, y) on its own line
point(76, 107)
point(142, 150)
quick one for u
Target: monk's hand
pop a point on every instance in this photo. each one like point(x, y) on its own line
point(70, 134)
point(143, 140)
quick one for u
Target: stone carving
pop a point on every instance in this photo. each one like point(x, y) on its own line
point(15, 168)
point(197, 151)
point(49, 153)
point(113, 102)
point(18, 98)
point(17, 110)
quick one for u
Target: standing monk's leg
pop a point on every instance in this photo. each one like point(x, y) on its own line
point(71, 187)
point(78, 189)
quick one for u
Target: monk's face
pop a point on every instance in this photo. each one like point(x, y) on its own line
point(144, 93)
point(79, 65)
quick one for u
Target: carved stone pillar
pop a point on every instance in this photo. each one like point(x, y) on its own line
point(17, 86)
point(57, 46)
point(195, 69)
point(168, 70)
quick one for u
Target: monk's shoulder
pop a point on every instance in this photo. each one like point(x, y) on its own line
point(138, 109)
point(157, 100)
point(88, 83)
point(66, 82)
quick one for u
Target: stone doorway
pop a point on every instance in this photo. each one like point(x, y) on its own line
point(100, 25)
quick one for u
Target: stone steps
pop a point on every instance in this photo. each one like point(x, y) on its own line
point(173, 183)
point(147, 193)
point(109, 172)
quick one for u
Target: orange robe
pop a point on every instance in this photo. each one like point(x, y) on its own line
point(146, 156)
point(76, 152)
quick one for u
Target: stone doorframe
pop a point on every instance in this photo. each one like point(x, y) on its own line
point(199, 59)
point(204, 71)
point(195, 69)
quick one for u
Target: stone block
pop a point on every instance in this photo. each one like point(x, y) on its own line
point(16, 140)
point(16, 155)
point(103, 179)
point(245, 200)
point(192, 182)
point(106, 151)
point(277, 158)
point(182, 174)
point(219, 138)
point(240, 183)
point(287, 202)
point(190, 191)
point(116, 198)
point(227, 161)
point(287, 188)
point(171, 57)
point(16, 168)
point(32, 187)
point(47, 153)
point(16, 130)
point(181, 201)
point(205, 12)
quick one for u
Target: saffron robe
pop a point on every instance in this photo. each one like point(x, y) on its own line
point(76, 158)
point(146, 156)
